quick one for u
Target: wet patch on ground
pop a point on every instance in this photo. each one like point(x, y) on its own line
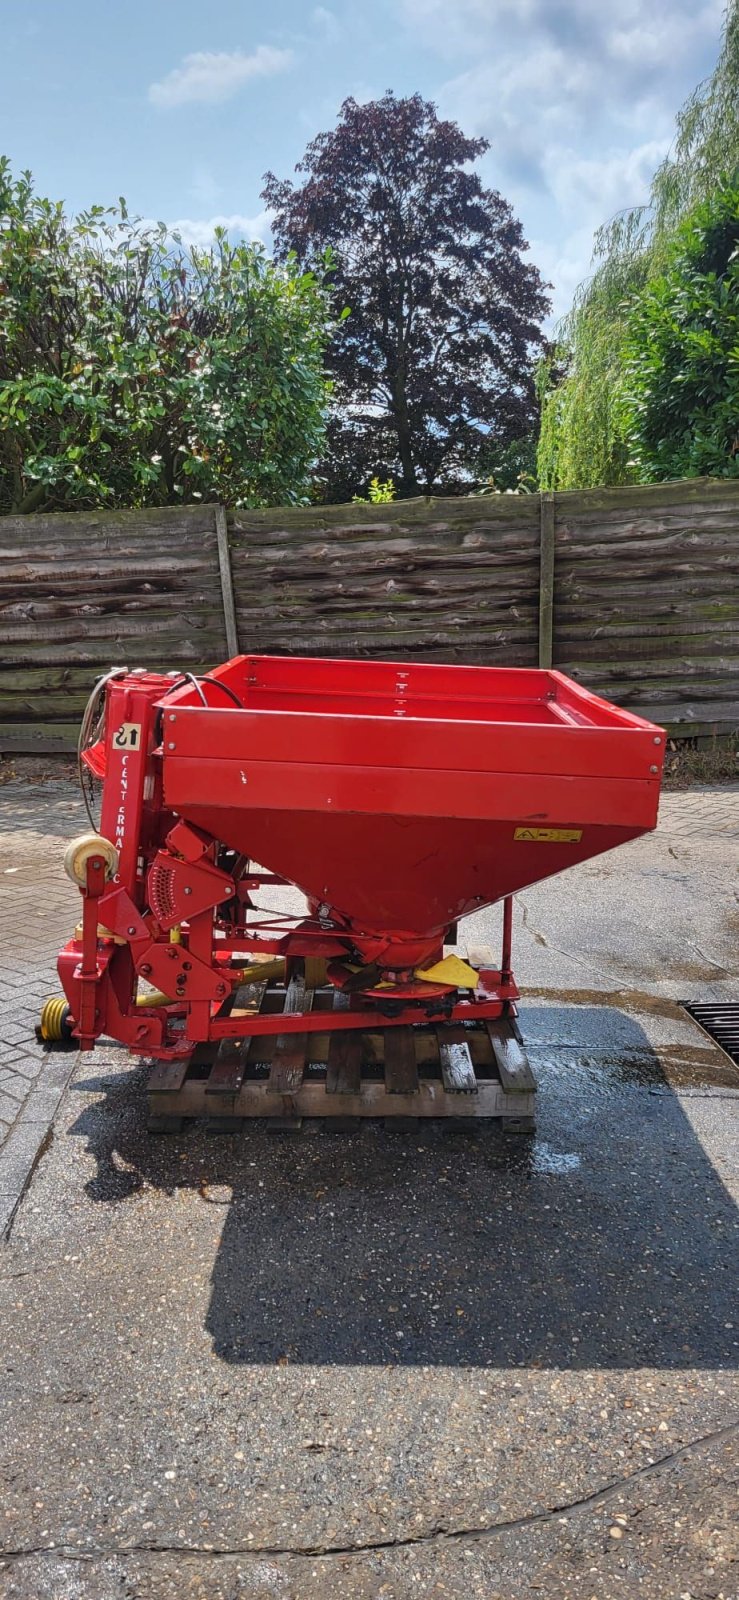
point(635, 1002)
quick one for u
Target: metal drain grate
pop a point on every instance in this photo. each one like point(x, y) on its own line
point(720, 1022)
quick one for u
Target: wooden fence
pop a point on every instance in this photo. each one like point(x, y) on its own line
point(635, 592)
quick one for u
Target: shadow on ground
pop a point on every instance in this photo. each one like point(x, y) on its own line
point(608, 1241)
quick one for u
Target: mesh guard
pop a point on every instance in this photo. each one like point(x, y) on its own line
point(161, 892)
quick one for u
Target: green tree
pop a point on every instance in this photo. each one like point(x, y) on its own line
point(582, 441)
point(437, 354)
point(680, 387)
point(508, 467)
point(135, 372)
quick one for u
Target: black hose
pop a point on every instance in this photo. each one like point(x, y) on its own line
point(219, 684)
point(189, 677)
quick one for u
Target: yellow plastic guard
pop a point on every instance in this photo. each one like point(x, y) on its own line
point(451, 970)
point(263, 971)
point(154, 998)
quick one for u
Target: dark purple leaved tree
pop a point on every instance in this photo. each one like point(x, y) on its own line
point(433, 368)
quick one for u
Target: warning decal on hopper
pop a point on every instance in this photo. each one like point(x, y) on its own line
point(549, 835)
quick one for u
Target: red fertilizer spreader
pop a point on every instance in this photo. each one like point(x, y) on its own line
point(398, 799)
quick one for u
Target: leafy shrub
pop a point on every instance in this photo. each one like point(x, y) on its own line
point(134, 372)
point(378, 494)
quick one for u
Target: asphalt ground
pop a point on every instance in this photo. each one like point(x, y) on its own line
point(395, 1365)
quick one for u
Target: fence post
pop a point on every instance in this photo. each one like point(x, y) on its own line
point(546, 579)
point(227, 588)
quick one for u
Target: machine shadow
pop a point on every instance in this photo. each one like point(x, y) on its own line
point(608, 1241)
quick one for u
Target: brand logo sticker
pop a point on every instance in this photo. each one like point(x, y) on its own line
point(549, 835)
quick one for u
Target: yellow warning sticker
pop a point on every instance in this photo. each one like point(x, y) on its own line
point(549, 835)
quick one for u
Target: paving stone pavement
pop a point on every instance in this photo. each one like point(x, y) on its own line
point(38, 909)
point(702, 813)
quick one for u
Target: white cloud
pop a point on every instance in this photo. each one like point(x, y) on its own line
point(587, 184)
point(580, 25)
point(213, 75)
point(564, 265)
point(636, 45)
point(577, 100)
point(201, 231)
point(548, 72)
point(584, 192)
point(587, 191)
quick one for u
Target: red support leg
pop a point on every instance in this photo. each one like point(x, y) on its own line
point(88, 971)
point(505, 959)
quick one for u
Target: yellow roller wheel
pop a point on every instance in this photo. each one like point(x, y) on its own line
point(79, 851)
point(54, 1022)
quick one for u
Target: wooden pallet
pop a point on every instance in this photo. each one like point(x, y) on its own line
point(446, 1070)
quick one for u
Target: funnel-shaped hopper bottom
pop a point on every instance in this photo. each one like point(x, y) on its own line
point(387, 873)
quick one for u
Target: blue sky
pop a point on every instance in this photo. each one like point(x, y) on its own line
point(182, 106)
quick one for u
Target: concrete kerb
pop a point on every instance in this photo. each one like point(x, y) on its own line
point(31, 1134)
